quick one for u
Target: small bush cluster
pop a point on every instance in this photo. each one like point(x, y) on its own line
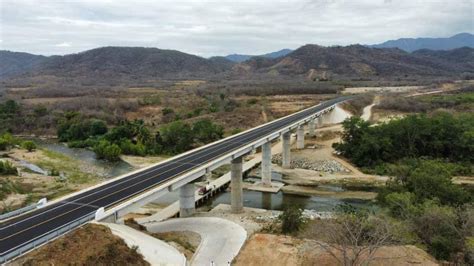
point(291, 219)
point(6, 168)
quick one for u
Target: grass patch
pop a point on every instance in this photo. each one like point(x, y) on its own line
point(59, 162)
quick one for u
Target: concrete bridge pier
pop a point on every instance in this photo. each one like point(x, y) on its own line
point(207, 176)
point(312, 128)
point(187, 205)
point(285, 154)
point(300, 137)
point(320, 121)
point(237, 200)
point(267, 164)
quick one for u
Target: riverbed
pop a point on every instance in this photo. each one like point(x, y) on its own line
point(108, 169)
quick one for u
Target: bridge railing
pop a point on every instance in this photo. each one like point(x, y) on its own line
point(22, 210)
point(45, 238)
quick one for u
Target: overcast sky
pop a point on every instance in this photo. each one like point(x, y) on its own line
point(222, 27)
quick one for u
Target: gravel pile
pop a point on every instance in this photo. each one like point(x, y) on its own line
point(329, 166)
point(308, 214)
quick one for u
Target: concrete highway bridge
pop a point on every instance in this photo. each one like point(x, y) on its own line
point(113, 199)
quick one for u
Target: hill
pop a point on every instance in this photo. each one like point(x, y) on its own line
point(242, 57)
point(120, 65)
point(318, 62)
point(413, 44)
point(15, 63)
point(134, 62)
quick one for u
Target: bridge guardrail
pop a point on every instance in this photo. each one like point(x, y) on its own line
point(46, 237)
point(7, 215)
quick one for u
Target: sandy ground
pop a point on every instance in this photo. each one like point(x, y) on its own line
point(358, 90)
point(275, 250)
point(141, 162)
point(463, 180)
point(324, 151)
point(251, 219)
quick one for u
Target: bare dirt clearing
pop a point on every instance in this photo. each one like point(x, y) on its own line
point(266, 249)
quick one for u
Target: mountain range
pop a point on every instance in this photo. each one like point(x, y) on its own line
point(243, 57)
point(413, 44)
point(310, 61)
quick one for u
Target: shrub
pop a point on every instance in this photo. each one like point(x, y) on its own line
point(3, 144)
point(29, 145)
point(6, 168)
point(252, 101)
point(106, 150)
point(7, 141)
point(128, 147)
point(291, 219)
point(437, 226)
point(400, 204)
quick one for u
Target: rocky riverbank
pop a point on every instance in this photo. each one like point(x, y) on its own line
point(328, 166)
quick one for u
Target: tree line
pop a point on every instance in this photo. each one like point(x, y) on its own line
point(133, 137)
point(441, 135)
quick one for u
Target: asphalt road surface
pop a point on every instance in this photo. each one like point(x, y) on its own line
point(26, 228)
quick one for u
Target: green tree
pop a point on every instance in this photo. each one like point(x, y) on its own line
point(9, 107)
point(97, 127)
point(205, 131)
point(29, 145)
point(424, 180)
point(176, 137)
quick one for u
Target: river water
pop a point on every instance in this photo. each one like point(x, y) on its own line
point(254, 199)
point(276, 201)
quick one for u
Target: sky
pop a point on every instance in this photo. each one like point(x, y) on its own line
point(221, 27)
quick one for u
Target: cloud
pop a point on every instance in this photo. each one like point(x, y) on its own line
point(63, 44)
point(221, 27)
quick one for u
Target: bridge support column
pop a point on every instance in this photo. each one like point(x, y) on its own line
point(267, 164)
point(300, 137)
point(237, 201)
point(312, 128)
point(207, 176)
point(187, 205)
point(320, 121)
point(285, 154)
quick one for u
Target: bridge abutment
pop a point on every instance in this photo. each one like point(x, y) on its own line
point(237, 201)
point(187, 205)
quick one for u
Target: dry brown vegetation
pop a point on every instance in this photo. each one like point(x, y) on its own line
point(276, 250)
point(226, 103)
point(357, 104)
point(91, 244)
